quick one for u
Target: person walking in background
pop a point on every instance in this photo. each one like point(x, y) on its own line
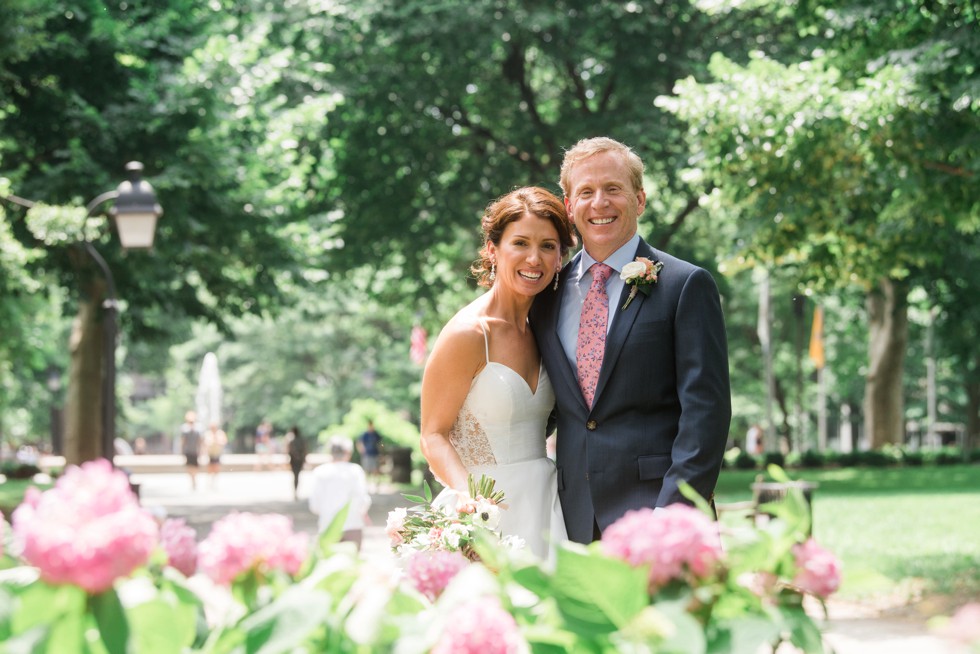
point(339, 483)
point(297, 450)
point(215, 440)
point(263, 444)
point(634, 340)
point(369, 447)
point(190, 445)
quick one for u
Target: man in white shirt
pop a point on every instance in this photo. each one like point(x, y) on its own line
point(337, 484)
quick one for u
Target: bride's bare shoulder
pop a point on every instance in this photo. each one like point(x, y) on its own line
point(463, 334)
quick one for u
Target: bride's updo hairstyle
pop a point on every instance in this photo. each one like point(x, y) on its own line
point(510, 208)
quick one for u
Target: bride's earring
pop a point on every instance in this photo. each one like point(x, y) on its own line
point(493, 270)
point(556, 280)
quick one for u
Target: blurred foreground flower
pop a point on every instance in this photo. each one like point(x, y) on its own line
point(245, 542)
point(818, 571)
point(480, 626)
point(963, 627)
point(180, 543)
point(677, 542)
point(431, 572)
point(89, 530)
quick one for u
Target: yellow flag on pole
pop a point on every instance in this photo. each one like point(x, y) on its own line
point(816, 339)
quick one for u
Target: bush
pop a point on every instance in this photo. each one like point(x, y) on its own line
point(745, 461)
point(773, 459)
point(913, 457)
point(257, 586)
point(812, 459)
point(18, 470)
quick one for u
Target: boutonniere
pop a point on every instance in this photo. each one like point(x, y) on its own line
point(641, 274)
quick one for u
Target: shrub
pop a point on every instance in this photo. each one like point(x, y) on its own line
point(259, 588)
point(745, 461)
point(812, 459)
point(773, 459)
point(18, 470)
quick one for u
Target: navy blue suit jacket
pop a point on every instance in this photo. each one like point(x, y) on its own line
point(662, 406)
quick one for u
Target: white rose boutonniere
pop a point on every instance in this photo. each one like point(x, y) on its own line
point(641, 274)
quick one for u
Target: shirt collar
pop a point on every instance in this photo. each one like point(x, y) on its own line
point(616, 260)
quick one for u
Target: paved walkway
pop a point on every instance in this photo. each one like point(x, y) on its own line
point(270, 491)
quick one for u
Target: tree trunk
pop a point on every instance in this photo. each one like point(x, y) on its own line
point(972, 417)
point(83, 410)
point(884, 407)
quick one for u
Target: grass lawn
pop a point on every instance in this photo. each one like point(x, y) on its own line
point(896, 530)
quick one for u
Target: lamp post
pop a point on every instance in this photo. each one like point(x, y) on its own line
point(135, 213)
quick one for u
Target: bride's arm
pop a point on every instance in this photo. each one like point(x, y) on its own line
point(457, 356)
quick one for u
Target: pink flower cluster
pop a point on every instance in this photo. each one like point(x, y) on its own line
point(89, 530)
point(480, 626)
point(431, 571)
point(180, 543)
point(817, 571)
point(964, 626)
point(674, 540)
point(240, 542)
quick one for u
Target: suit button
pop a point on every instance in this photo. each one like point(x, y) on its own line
point(591, 425)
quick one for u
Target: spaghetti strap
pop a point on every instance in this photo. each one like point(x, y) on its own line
point(486, 339)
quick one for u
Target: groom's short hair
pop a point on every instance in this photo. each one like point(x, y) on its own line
point(592, 146)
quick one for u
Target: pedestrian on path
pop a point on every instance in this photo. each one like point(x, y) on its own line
point(369, 447)
point(297, 450)
point(215, 440)
point(190, 445)
point(339, 483)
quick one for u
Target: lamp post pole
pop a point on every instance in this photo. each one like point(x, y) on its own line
point(109, 342)
point(135, 212)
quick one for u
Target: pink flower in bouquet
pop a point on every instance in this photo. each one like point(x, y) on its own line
point(481, 626)
point(240, 542)
point(817, 570)
point(395, 525)
point(180, 543)
point(431, 571)
point(670, 540)
point(89, 530)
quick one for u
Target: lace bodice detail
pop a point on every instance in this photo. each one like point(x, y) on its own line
point(501, 420)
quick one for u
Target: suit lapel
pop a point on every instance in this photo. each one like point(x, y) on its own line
point(552, 349)
point(622, 323)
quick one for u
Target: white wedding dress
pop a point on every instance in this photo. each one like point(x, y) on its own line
point(500, 432)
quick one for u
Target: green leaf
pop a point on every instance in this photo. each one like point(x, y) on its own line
point(597, 594)
point(743, 635)
point(688, 491)
point(111, 620)
point(415, 499)
point(288, 622)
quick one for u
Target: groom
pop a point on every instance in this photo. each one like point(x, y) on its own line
point(640, 368)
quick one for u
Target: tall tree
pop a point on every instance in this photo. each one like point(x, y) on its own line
point(850, 161)
point(108, 84)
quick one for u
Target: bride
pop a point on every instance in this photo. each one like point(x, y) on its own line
point(486, 397)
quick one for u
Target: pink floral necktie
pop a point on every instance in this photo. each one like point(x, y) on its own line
point(592, 332)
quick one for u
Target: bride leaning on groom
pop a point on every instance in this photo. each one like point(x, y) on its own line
point(624, 345)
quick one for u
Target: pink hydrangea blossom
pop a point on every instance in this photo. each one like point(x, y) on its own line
point(480, 626)
point(964, 626)
point(674, 540)
point(430, 572)
point(240, 542)
point(88, 530)
point(817, 571)
point(180, 543)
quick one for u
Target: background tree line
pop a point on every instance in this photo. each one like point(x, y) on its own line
point(323, 167)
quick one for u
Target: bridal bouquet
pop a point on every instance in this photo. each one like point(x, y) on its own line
point(451, 522)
